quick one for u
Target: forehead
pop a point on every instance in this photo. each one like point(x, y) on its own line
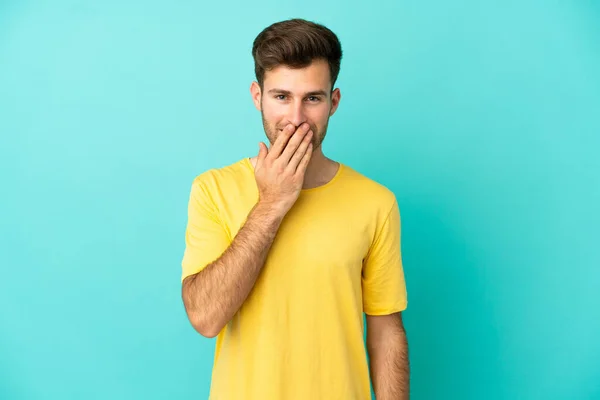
point(313, 77)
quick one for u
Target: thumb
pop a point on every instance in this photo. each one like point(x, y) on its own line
point(262, 152)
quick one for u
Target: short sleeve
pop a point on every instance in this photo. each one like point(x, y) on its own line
point(205, 237)
point(383, 283)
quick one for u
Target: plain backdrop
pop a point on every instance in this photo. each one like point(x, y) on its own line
point(482, 117)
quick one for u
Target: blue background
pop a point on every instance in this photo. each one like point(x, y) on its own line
point(482, 117)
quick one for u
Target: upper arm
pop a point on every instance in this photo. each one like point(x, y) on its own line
point(383, 283)
point(380, 327)
point(382, 322)
point(205, 236)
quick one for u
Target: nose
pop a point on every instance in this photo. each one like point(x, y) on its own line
point(297, 115)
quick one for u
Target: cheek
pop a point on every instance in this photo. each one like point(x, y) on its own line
point(272, 115)
point(321, 115)
point(320, 120)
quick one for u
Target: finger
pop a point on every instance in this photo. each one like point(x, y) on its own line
point(262, 153)
point(304, 163)
point(294, 142)
point(281, 141)
point(299, 154)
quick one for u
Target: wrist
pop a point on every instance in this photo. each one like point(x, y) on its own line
point(271, 210)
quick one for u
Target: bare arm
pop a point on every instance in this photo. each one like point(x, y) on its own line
point(388, 353)
point(212, 296)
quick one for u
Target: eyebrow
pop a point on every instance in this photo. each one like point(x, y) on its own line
point(287, 92)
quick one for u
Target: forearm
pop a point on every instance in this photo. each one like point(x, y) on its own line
point(213, 295)
point(389, 361)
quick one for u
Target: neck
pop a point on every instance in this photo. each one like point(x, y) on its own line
point(320, 169)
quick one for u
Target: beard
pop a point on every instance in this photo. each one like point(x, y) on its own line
point(273, 131)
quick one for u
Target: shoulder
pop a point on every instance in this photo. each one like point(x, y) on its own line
point(217, 185)
point(368, 191)
point(221, 176)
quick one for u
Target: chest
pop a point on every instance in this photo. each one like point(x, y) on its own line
point(320, 236)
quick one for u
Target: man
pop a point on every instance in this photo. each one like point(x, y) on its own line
point(286, 250)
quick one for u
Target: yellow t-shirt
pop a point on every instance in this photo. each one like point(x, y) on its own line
point(299, 334)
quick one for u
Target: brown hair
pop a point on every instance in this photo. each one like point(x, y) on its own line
point(295, 43)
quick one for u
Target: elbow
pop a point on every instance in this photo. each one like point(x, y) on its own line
point(204, 327)
point(201, 321)
point(207, 331)
point(205, 323)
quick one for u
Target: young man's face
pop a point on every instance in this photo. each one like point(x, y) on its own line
point(295, 96)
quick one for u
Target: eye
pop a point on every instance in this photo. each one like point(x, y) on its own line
point(315, 99)
point(279, 95)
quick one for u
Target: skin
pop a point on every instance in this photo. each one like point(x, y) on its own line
point(212, 296)
point(295, 123)
point(387, 345)
point(279, 109)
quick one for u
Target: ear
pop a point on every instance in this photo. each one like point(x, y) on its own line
point(256, 94)
point(336, 96)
